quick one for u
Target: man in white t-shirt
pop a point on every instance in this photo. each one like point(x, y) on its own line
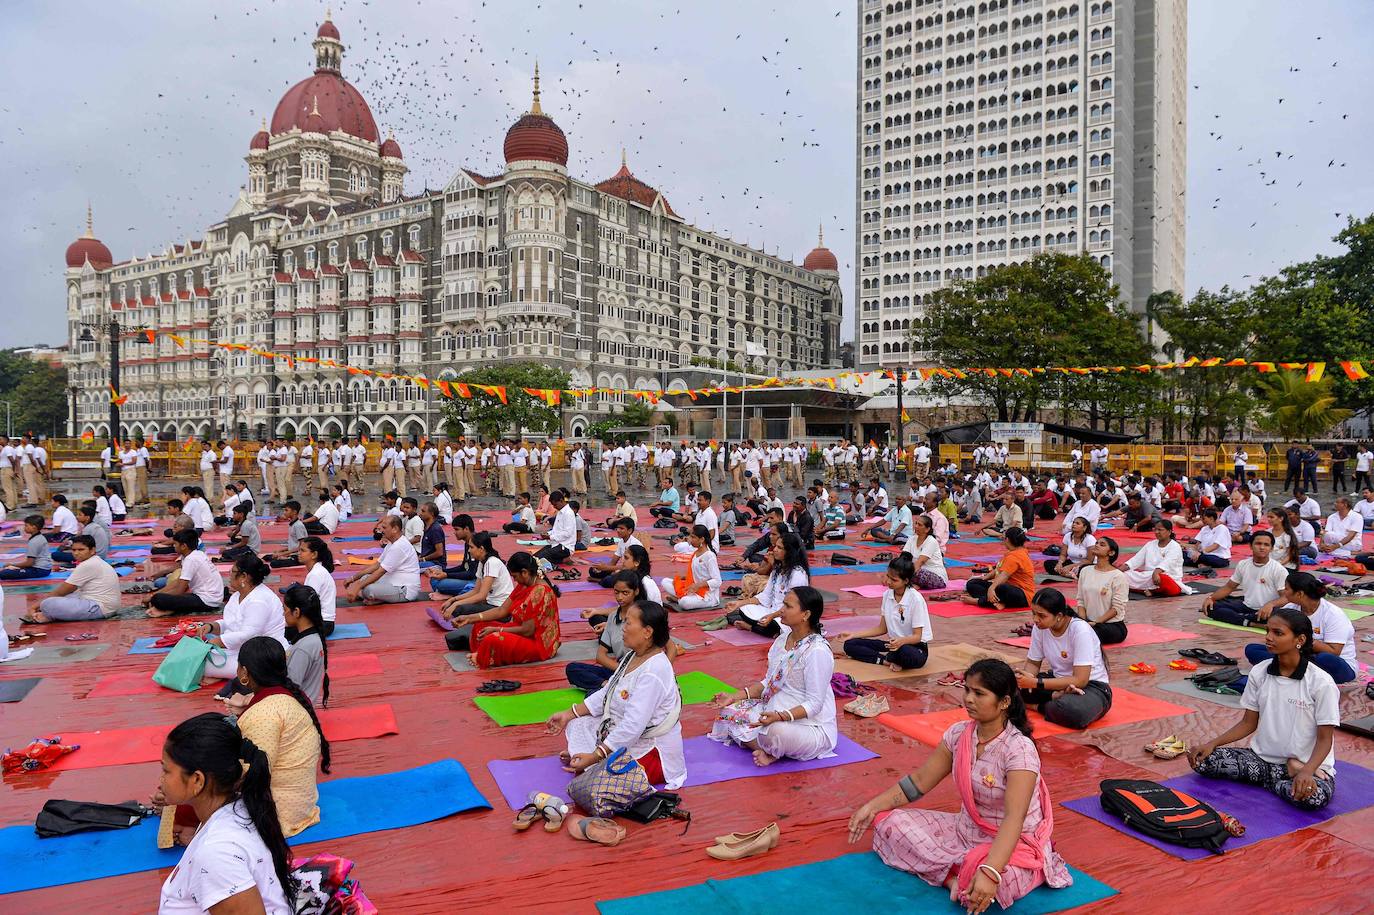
point(429, 474)
point(1365, 508)
point(1343, 535)
point(395, 577)
point(387, 469)
point(1364, 463)
point(91, 592)
point(359, 465)
point(264, 459)
point(923, 453)
point(208, 460)
point(226, 463)
point(324, 459)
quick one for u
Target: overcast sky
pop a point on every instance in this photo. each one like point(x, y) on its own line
point(742, 113)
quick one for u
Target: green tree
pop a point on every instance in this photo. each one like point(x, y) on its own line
point(1053, 310)
point(1207, 404)
point(1300, 409)
point(36, 392)
point(520, 414)
point(636, 414)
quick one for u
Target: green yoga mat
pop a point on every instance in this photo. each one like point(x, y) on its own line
point(535, 708)
point(1364, 602)
point(1352, 614)
point(844, 884)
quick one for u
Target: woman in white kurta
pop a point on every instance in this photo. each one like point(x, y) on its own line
point(638, 708)
point(252, 609)
point(791, 713)
point(700, 588)
point(790, 570)
point(1158, 565)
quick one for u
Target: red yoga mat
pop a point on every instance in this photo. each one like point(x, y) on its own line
point(123, 746)
point(1136, 634)
point(140, 683)
point(956, 608)
point(1127, 707)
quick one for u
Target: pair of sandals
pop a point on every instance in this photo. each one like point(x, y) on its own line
point(499, 686)
point(1170, 747)
point(560, 574)
point(1203, 656)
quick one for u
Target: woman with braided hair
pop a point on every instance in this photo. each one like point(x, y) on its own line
point(238, 860)
point(279, 718)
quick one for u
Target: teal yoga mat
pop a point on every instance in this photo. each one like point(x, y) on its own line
point(840, 885)
point(348, 807)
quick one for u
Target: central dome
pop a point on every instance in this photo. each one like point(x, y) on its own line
point(326, 101)
point(535, 136)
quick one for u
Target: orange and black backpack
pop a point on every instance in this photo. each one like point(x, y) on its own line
point(1163, 813)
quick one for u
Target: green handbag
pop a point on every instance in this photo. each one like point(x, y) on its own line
point(182, 669)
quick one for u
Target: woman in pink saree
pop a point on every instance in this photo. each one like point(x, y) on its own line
point(998, 846)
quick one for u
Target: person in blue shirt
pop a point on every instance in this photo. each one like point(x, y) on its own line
point(668, 504)
point(895, 527)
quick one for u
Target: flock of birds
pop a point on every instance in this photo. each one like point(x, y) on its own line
point(763, 163)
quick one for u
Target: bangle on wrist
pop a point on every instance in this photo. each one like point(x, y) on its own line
point(991, 872)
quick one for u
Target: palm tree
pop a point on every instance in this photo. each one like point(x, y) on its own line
point(1300, 409)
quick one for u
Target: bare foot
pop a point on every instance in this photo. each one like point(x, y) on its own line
point(741, 624)
point(762, 759)
point(893, 665)
point(435, 595)
point(158, 614)
point(564, 758)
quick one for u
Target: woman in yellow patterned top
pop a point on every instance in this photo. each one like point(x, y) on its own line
point(280, 720)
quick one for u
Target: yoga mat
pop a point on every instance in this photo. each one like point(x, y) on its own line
point(535, 708)
point(439, 619)
point(125, 746)
point(1186, 688)
point(571, 587)
point(140, 682)
point(1264, 814)
point(845, 570)
point(364, 550)
point(342, 631)
point(943, 659)
point(1136, 634)
point(952, 609)
point(583, 650)
point(60, 654)
point(837, 885)
point(708, 762)
point(1199, 587)
point(1256, 631)
point(867, 590)
point(348, 807)
point(741, 638)
point(1127, 707)
point(121, 571)
point(16, 690)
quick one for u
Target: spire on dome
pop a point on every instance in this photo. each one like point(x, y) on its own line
point(622, 157)
point(820, 236)
point(534, 106)
point(90, 223)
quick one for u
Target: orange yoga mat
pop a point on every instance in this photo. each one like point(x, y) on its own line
point(123, 746)
point(1127, 707)
point(140, 682)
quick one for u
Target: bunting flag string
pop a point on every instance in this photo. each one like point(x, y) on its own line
point(1354, 370)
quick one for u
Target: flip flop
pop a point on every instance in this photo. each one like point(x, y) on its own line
point(1140, 667)
point(527, 817)
point(83, 637)
point(1198, 653)
point(498, 686)
point(950, 679)
point(596, 829)
point(1169, 748)
point(1182, 664)
point(29, 621)
point(1215, 658)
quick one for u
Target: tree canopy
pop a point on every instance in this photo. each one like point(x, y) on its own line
point(520, 413)
point(36, 393)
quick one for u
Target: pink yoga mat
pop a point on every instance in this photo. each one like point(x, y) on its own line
point(1136, 634)
point(867, 590)
point(124, 746)
point(707, 762)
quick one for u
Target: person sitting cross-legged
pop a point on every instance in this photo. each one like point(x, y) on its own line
point(91, 592)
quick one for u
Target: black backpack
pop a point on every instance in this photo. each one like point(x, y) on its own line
point(1162, 813)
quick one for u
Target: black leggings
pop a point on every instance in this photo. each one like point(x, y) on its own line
point(874, 651)
point(316, 529)
point(1071, 710)
point(772, 630)
point(553, 553)
point(1008, 594)
point(181, 604)
point(516, 527)
point(1112, 632)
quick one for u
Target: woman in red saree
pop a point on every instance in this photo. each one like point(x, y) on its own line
point(998, 846)
point(526, 626)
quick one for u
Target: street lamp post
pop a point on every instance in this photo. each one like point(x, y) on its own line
point(88, 337)
point(71, 431)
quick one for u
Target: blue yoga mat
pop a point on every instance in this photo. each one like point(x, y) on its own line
point(358, 539)
point(845, 570)
point(348, 807)
point(341, 631)
point(843, 884)
point(121, 571)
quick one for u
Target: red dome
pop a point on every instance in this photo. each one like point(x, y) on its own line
point(327, 30)
point(259, 140)
point(90, 249)
point(536, 136)
point(821, 259)
point(390, 148)
point(341, 107)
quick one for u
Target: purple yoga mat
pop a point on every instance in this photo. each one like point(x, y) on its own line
point(364, 551)
point(574, 614)
point(707, 762)
point(439, 619)
point(1264, 815)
